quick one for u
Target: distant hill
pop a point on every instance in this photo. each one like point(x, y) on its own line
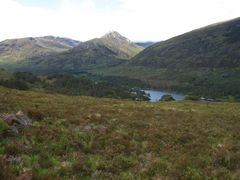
point(213, 46)
point(17, 50)
point(145, 44)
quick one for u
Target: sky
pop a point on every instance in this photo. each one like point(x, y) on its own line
point(138, 20)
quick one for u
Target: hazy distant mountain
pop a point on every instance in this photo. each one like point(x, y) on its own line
point(53, 41)
point(145, 44)
point(17, 50)
point(217, 45)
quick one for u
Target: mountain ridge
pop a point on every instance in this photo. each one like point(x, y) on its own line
point(50, 52)
point(210, 46)
point(18, 50)
point(110, 50)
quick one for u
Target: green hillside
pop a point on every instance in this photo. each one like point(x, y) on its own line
point(89, 138)
point(214, 46)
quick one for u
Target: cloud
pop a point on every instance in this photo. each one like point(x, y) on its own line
point(162, 19)
point(18, 21)
point(136, 19)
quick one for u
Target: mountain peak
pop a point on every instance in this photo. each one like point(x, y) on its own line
point(115, 35)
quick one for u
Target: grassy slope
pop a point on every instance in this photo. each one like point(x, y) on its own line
point(116, 139)
point(71, 63)
point(209, 47)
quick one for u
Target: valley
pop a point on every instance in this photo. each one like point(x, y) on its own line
point(202, 62)
point(112, 108)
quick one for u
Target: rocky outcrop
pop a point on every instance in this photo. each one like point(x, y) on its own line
point(15, 122)
point(16, 119)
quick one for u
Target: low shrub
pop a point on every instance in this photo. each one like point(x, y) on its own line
point(167, 97)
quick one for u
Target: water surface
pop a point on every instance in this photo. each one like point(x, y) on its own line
point(155, 95)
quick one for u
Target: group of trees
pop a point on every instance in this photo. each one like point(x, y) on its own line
point(72, 85)
point(68, 84)
point(20, 80)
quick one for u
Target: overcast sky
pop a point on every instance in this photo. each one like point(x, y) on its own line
point(139, 20)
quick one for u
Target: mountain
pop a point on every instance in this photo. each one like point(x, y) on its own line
point(51, 54)
point(213, 46)
point(112, 43)
point(203, 62)
point(110, 50)
point(17, 50)
point(145, 44)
